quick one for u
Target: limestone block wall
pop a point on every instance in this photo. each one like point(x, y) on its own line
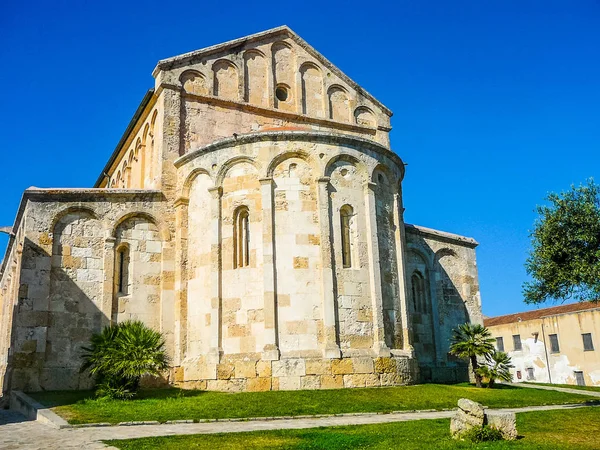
point(353, 282)
point(443, 292)
point(267, 287)
point(297, 237)
point(74, 310)
point(389, 239)
point(199, 294)
point(10, 293)
point(140, 295)
point(66, 279)
point(239, 373)
point(205, 121)
point(241, 271)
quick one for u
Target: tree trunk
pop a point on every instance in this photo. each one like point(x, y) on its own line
point(491, 383)
point(475, 367)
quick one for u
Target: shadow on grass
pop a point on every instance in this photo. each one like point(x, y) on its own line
point(51, 399)
point(497, 386)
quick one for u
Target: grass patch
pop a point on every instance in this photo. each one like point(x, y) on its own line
point(174, 404)
point(544, 430)
point(570, 386)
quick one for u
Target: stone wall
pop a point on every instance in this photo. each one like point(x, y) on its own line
point(443, 293)
point(352, 284)
point(74, 310)
point(297, 238)
point(238, 373)
point(10, 293)
point(66, 279)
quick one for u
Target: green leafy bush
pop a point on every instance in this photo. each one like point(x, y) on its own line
point(120, 355)
point(484, 433)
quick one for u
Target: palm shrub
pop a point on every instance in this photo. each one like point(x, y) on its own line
point(470, 341)
point(497, 367)
point(121, 354)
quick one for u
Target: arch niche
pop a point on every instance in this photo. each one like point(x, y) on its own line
point(421, 309)
point(199, 263)
point(137, 282)
point(312, 90)
point(76, 282)
point(297, 255)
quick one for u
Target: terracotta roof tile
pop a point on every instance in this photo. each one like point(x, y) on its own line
point(539, 313)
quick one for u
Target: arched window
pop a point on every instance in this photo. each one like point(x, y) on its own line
point(122, 270)
point(241, 237)
point(419, 293)
point(347, 223)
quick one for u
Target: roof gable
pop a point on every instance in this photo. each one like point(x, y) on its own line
point(294, 65)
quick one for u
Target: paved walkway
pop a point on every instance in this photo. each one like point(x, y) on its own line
point(557, 388)
point(17, 433)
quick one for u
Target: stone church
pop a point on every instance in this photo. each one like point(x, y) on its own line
point(252, 212)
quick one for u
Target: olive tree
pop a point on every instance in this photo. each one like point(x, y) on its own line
point(564, 261)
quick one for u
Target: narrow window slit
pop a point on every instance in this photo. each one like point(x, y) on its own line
point(346, 219)
point(123, 270)
point(241, 235)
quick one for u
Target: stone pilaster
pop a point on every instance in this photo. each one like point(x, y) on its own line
point(379, 346)
point(271, 349)
point(167, 142)
point(168, 296)
point(271, 83)
point(216, 323)
point(181, 277)
point(331, 347)
point(400, 238)
point(110, 306)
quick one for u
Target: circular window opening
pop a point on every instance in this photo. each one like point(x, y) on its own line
point(281, 93)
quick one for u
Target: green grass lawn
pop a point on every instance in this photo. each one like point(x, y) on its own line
point(174, 404)
point(570, 386)
point(548, 430)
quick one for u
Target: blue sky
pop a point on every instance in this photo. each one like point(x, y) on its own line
point(495, 103)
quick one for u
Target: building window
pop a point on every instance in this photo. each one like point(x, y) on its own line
point(419, 294)
point(499, 344)
point(517, 342)
point(554, 347)
point(122, 265)
point(588, 344)
point(241, 238)
point(346, 219)
point(579, 378)
point(530, 373)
